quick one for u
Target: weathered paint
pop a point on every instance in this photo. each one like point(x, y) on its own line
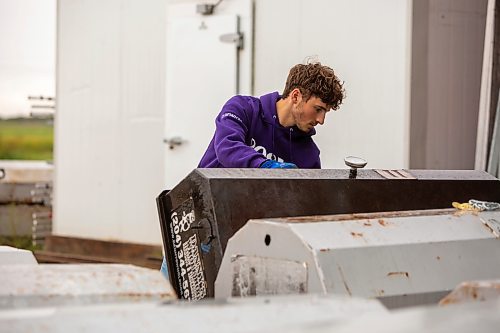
point(414, 259)
point(64, 284)
point(473, 291)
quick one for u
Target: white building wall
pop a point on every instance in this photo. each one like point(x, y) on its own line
point(368, 44)
point(109, 121)
point(111, 98)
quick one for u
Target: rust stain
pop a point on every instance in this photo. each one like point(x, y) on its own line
point(364, 216)
point(382, 223)
point(459, 213)
point(438, 258)
point(368, 224)
point(381, 292)
point(448, 300)
point(466, 292)
point(453, 298)
point(356, 234)
point(398, 273)
point(324, 250)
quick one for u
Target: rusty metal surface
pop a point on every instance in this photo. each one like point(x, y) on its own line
point(395, 174)
point(23, 286)
point(61, 249)
point(365, 216)
point(401, 260)
point(18, 193)
point(473, 291)
point(17, 220)
point(205, 209)
point(277, 314)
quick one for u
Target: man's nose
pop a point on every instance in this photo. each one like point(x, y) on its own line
point(321, 118)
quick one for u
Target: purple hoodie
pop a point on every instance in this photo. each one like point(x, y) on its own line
point(248, 132)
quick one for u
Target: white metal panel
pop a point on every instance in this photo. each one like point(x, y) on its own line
point(201, 76)
point(12, 256)
point(277, 314)
point(23, 286)
point(109, 122)
point(371, 53)
point(400, 258)
point(464, 318)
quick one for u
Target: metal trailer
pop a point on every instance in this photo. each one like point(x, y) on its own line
point(43, 285)
point(205, 209)
point(402, 258)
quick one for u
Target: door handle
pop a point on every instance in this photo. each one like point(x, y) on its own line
point(236, 38)
point(174, 141)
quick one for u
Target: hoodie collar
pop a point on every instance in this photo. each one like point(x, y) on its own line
point(270, 114)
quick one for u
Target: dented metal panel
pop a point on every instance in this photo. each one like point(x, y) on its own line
point(67, 284)
point(401, 260)
point(206, 208)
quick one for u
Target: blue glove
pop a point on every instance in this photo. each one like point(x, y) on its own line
point(164, 268)
point(270, 164)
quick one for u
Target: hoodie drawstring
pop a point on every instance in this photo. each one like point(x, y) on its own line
point(290, 144)
point(274, 125)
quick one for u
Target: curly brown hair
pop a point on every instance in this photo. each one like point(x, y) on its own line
point(314, 79)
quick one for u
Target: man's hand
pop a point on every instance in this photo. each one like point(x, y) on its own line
point(270, 164)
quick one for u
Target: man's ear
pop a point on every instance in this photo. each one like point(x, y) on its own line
point(296, 95)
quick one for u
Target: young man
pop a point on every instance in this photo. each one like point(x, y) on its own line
point(276, 131)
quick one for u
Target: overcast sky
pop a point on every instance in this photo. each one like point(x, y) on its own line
point(27, 53)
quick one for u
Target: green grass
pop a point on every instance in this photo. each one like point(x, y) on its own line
point(20, 242)
point(26, 139)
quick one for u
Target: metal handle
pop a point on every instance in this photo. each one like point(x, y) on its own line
point(2, 173)
point(174, 141)
point(354, 163)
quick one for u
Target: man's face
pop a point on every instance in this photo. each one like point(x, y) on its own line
point(309, 114)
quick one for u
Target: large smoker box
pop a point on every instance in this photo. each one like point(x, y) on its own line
point(207, 207)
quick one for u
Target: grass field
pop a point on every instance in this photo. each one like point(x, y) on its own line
point(26, 139)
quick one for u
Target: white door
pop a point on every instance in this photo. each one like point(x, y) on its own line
point(201, 75)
